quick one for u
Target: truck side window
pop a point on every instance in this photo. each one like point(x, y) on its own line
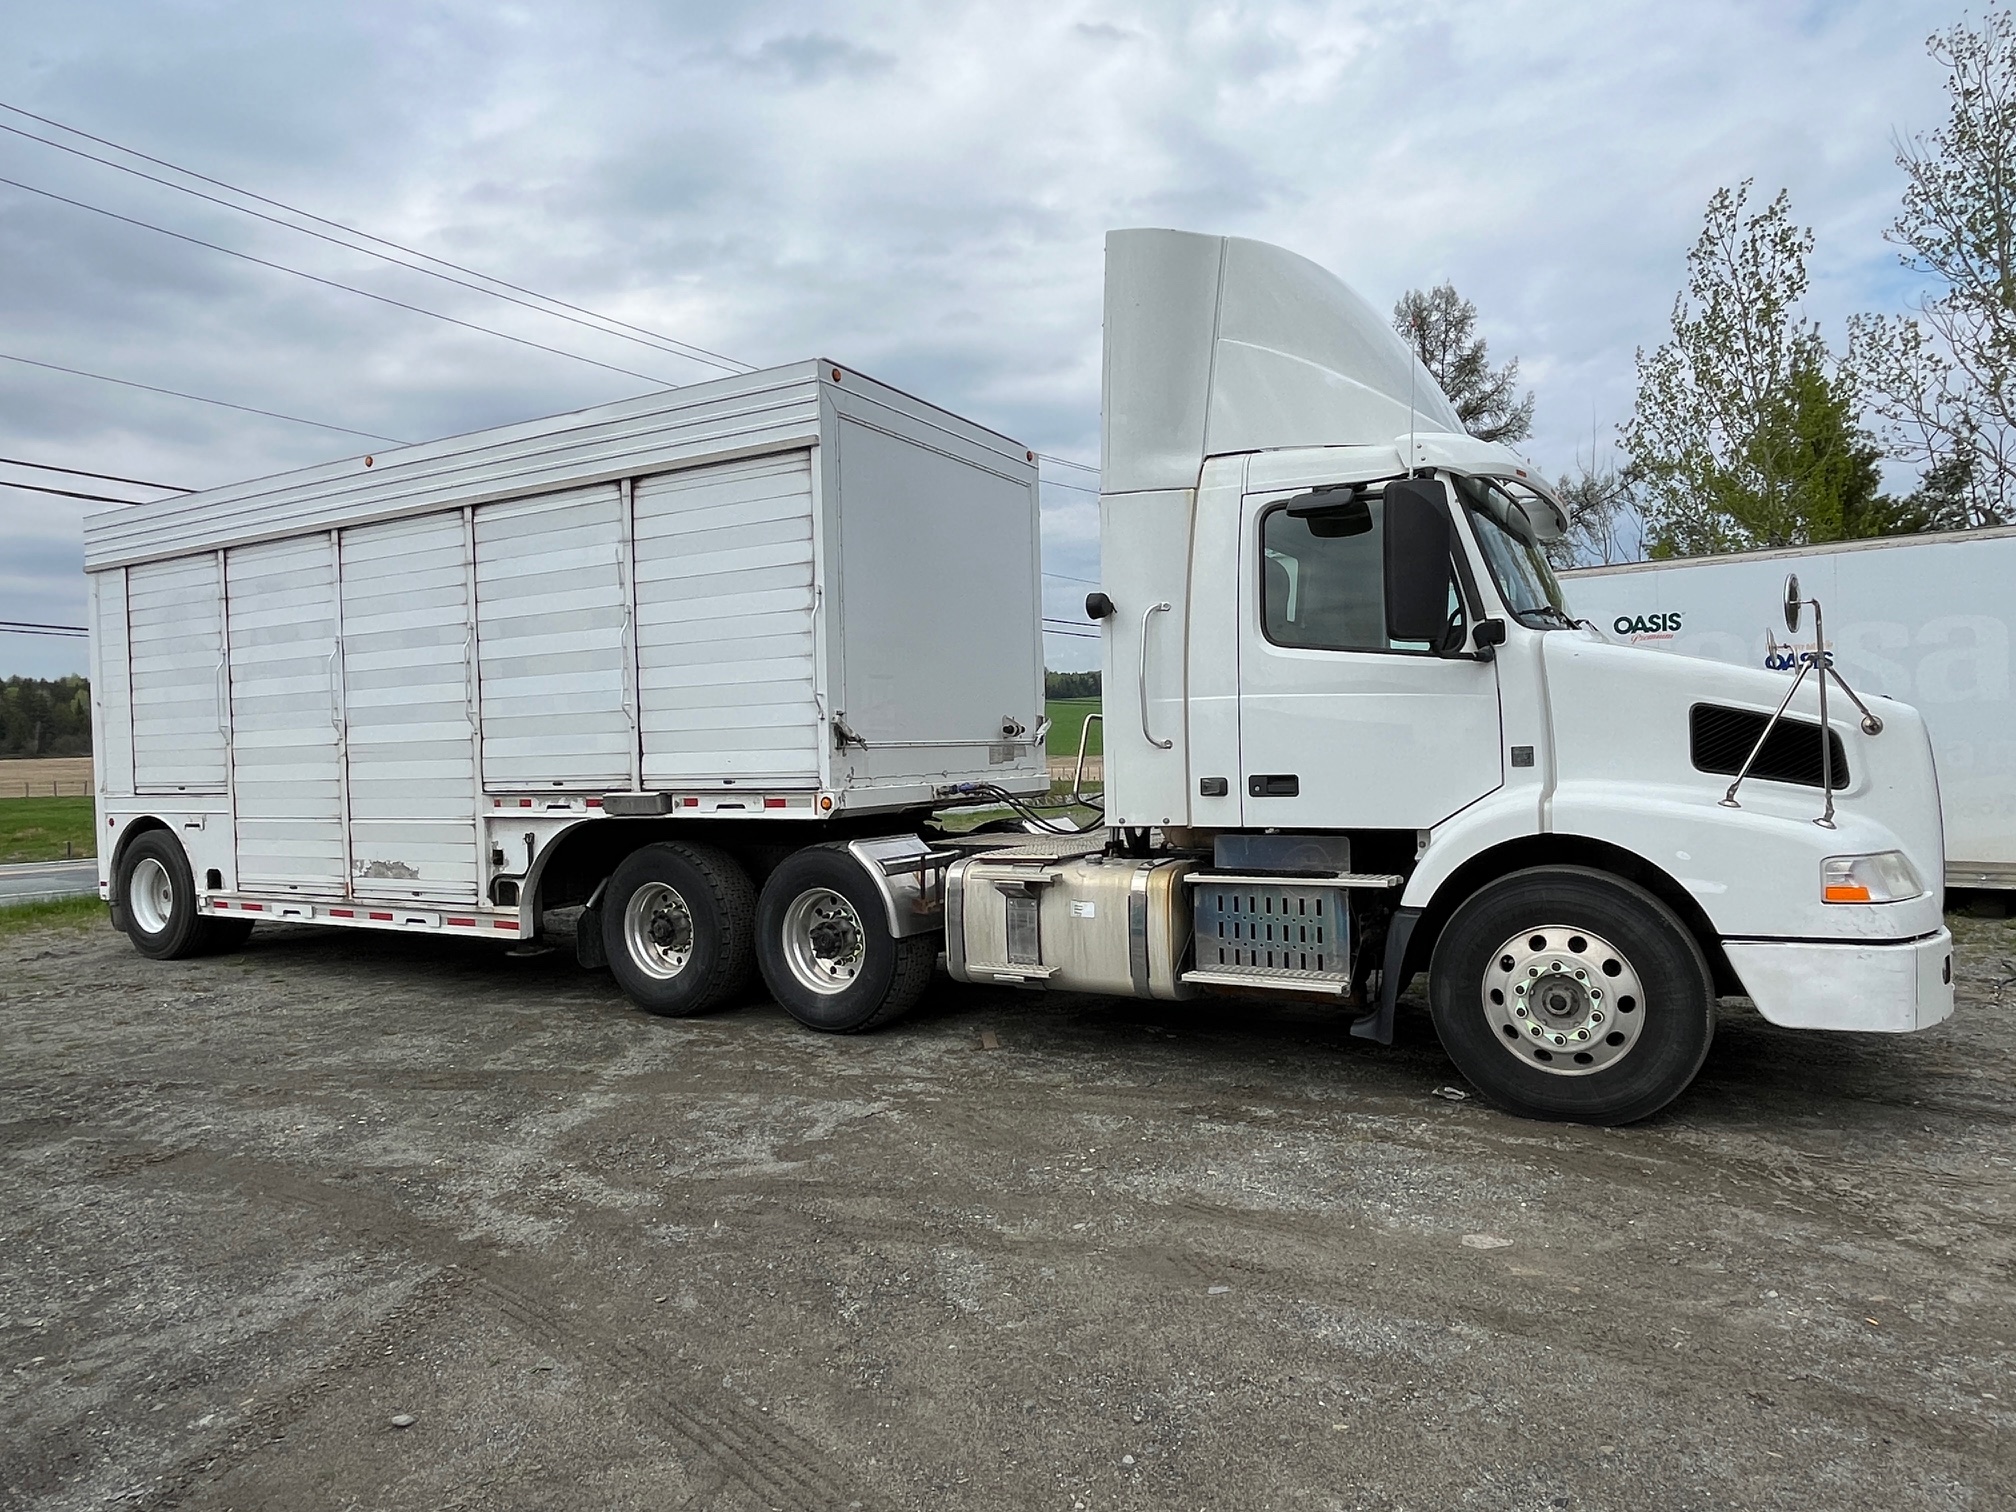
point(1322, 588)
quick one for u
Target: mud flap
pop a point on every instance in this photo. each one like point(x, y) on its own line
point(1378, 1024)
point(588, 939)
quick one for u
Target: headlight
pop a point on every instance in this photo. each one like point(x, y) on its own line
point(1886, 877)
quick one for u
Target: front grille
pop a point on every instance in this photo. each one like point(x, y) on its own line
point(1722, 738)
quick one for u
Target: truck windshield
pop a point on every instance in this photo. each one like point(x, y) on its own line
point(1506, 539)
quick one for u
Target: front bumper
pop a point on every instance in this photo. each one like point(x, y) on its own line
point(1888, 988)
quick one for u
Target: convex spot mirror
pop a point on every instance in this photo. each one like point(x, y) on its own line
point(1793, 603)
point(1333, 513)
point(1419, 540)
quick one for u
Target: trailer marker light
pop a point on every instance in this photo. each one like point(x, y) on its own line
point(342, 913)
point(524, 803)
point(219, 903)
point(253, 907)
point(594, 802)
point(690, 802)
point(826, 805)
point(507, 923)
point(773, 803)
point(463, 923)
point(385, 917)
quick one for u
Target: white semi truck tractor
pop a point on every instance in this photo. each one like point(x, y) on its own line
point(704, 673)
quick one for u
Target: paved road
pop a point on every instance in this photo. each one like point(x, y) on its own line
point(47, 879)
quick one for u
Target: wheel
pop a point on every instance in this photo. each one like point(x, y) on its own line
point(157, 894)
point(824, 947)
point(676, 922)
point(1564, 992)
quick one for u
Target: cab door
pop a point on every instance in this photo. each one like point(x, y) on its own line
point(1340, 726)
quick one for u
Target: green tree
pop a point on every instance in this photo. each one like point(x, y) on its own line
point(1746, 431)
point(1441, 326)
point(1943, 383)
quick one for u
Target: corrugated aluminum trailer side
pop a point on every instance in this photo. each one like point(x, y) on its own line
point(1923, 619)
point(459, 686)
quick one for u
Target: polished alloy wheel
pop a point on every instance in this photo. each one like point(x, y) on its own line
point(658, 930)
point(1563, 1000)
point(824, 943)
point(150, 895)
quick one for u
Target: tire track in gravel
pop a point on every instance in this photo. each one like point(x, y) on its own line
point(764, 1457)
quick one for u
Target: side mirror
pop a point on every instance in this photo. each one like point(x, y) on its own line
point(1793, 603)
point(1419, 539)
point(1098, 606)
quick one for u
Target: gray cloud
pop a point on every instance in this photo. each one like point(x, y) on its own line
point(918, 190)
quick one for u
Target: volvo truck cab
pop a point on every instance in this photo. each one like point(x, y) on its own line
point(1355, 733)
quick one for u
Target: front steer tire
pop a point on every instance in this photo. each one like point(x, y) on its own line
point(824, 947)
point(1527, 961)
point(676, 926)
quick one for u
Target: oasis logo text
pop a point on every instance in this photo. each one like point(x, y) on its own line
point(1647, 624)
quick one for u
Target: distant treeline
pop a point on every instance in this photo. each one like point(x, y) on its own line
point(42, 716)
point(1070, 684)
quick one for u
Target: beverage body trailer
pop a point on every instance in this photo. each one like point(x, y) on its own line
point(1922, 619)
point(701, 675)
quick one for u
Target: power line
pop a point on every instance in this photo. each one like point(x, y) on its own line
point(1074, 487)
point(698, 353)
point(78, 472)
point(1063, 576)
point(1062, 461)
point(70, 493)
point(666, 344)
point(386, 299)
point(200, 399)
point(31, 627)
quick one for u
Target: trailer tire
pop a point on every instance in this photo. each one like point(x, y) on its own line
point(676, 925)
point(157, 897)
point(824, 947)
point(1563, 992)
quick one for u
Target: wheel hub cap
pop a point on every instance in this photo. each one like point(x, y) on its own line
point(1563, 1000)
point(824, 943)
point(658, 930)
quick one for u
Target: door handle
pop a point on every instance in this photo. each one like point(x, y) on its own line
point(1146, 734)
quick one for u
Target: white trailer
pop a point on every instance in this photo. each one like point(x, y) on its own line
point(1924, 619)
point(704, 670)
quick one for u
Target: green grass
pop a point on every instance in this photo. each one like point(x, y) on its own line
point(1067, 717)
point(57, 913)
point(36, 829)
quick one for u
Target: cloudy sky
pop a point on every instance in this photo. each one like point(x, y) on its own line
point(916, 189)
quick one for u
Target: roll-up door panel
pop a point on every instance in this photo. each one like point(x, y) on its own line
point(174, 615)
point(724, 623)
point(407, 711)
point(111, 683)
point(552, 612)
point(286, 715)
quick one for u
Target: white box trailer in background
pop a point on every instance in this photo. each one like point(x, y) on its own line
point(1923, 619)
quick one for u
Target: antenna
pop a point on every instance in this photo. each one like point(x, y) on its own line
point(1413, 362)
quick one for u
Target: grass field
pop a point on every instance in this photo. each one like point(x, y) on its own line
point(57, 913)
point(1067, 717)
point(37, 829)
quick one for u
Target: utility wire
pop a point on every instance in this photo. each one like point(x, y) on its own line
point(665, 344)
point(1062, 576)
point(1062, 461)
point(30, 627)
point(470, 325)
point(78, 472)
point(68, 493)
point(200, 399)
point(1074, 487)
point(687, 348)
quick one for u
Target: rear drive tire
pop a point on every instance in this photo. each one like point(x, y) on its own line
point(676, 926)
point(1567, 993)
point(157, 896)
point(824, 947)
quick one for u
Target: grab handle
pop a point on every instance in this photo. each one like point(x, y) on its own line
point(1146, 734)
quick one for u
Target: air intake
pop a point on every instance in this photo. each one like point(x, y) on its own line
point(1722, 738)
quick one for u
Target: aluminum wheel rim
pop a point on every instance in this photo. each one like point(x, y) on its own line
point(658, 930)
point(1563, 1000)
point(824, 943)
point(150, 895)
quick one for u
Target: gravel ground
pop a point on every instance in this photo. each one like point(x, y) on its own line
point(1015, 1252)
